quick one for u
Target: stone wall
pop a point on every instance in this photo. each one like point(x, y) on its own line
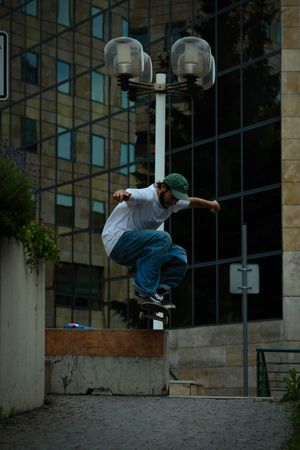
point(22, 325)
point(291, 166)
point(212, 356)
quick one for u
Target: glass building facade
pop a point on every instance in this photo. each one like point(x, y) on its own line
point(84, 139)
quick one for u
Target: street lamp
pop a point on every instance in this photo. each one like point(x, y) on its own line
point(192, 63)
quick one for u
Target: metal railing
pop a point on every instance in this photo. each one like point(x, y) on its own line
point(272, 370)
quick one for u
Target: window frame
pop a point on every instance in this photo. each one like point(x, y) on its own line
point(94, 94)
point(24, 68)
point(71, 206)
point(62, 131)
point(65, 81)
point(103, 141)
point(98, 12)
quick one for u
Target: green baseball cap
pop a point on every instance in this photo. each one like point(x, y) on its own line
point(178, 185)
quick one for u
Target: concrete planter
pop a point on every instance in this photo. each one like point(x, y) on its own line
point(122, 362)
point(22, 328)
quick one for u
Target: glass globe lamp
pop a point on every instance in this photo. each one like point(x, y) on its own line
point(191, 57)
point(124, 57)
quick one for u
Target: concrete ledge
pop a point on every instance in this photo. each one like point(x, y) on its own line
point(122, 362)
point(184, 388)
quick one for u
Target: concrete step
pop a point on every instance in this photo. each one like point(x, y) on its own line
point(185, 388)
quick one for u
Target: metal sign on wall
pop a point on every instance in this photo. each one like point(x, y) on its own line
point(4, 60)
point(236, 279)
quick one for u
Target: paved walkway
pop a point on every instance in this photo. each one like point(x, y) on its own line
point(150, 423)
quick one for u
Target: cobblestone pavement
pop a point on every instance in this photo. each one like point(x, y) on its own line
point(147, 423)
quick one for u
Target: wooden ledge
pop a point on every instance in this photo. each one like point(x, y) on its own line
point(60, 342)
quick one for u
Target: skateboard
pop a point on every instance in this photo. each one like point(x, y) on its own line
point(150, 310)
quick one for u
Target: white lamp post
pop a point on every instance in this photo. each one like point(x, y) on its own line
point(191, 61)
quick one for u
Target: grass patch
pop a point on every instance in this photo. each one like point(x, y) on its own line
point(294, 442)
point(48, 400)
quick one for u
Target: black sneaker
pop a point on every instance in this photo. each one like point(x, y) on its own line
point(167, 303)
point(153, 298)
point(156, 298)
point(163, 290)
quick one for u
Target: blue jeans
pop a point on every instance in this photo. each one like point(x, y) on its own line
point(158, 261)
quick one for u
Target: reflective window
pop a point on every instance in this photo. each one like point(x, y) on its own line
point(203, 7)
point(263, 218)
point(28, 134)
point(97, 87)
point(224, 3)
point(29, 67)
point(180, 120)
point(125, 102)
point(64, 143)
point(204, 115)
point(78, 285)
point(205, 296)
point(262, 90)
point(229, 110)
point(127, 156)
point(182, 296)
point(181, 230)
point(229, 39)
point(277, 31)
point(261, 28)
point(141, 35)
point(230, 228)
point(97, 216)
point(30, 7)
point(64, 210)
point(98, 151)
point(63, 74)
point(64, 12)
point(230, 305)
point(229, 165)
point(262, 156)
point(204, 235)
point(174, 31)
point(268, 303)
point(125, 27)
point(64, 284)
point(204, 170)
point(97, 23)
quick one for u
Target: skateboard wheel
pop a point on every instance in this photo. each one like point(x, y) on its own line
point(142, 315)
point(166, 320)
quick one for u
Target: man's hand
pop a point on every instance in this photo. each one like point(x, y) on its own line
point(215, 206)
point(120, 196)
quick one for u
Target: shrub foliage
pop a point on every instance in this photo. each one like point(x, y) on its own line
point(16, 204)
point(17, 215)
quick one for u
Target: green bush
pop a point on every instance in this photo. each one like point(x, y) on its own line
point(292, 386)
point(17, 215)
point(39, 244)
point(16, 204)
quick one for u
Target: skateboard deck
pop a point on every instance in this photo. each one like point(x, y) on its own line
point(151, 311)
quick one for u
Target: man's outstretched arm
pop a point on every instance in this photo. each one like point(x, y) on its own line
point(213, 205)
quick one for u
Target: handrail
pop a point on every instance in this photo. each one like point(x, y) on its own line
point(266, 370)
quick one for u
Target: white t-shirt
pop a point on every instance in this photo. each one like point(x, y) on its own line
point(143, 211)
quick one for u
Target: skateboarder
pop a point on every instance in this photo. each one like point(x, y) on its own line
point(131, 238)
